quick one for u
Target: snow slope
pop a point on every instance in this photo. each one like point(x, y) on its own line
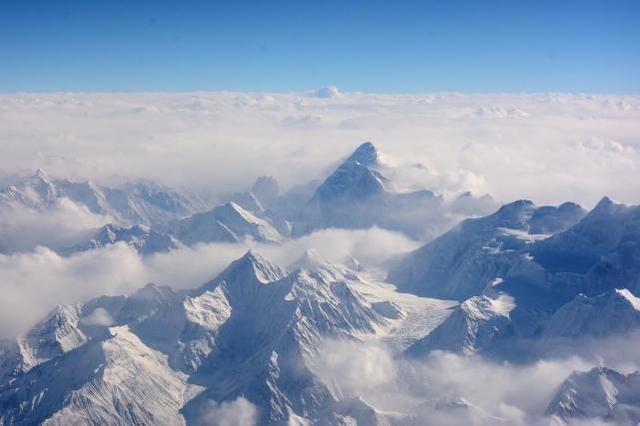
point(600, 393)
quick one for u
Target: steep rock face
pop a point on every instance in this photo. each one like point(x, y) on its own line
point(468, 259)
point(600, 393)
point(32, 191)
point(112, 380)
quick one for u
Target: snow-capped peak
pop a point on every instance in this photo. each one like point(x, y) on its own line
point(366, 154)
point(251, 268)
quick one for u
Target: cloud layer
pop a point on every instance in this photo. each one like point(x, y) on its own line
point(433, 388)
point(547, 147)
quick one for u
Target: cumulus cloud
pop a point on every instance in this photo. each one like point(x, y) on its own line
point(239, 412)
point(546, 147)
point(59, 225)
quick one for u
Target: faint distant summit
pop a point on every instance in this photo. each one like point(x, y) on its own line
point(366, 154)
point(327, 92)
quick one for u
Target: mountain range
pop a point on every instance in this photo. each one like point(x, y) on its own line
point(513, 285)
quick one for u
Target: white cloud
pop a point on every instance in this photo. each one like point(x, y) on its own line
point(515, 393)
point(31, 284)
point(59, 225)
point(99, 317)
point(239, 412)
point(576, 147)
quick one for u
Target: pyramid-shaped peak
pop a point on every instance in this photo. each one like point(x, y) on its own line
point(266, 190)
point(603, 204)
point(255, 266)
point(229, 210)
point(310, 258)
point(607, 208)
point(366, 154)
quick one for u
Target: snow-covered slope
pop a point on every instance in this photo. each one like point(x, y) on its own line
point(599, 394)
point(285, 315)
point(67, 327)
point(604, 315)
point(475, 325)
point(56, 334)
point(225, 223)
point(251, 331)
point(114, 379)
point(140, 237)
point(601, 251)
point(468, 259)
point(133, 203)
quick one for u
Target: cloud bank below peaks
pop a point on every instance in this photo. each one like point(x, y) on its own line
point(544, 147)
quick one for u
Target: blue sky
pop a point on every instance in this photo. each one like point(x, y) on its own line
point(391, 46)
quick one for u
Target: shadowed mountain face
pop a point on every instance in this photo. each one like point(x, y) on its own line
point(523, 291)
point(358, 195)
point(466, 260)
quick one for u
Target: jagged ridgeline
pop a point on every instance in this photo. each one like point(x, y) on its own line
point(517, 286)
point(152, 218)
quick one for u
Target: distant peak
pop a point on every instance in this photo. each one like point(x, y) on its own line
point(42, 176)
point(606, 207)
point(266, 188)
point(252, 256)
point(310, 258)
point(252, 267)
point(327, 92)
point(515, 206)
point(603, 203)
point(366, 154)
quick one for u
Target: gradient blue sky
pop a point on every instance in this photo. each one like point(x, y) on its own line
point(391, 46)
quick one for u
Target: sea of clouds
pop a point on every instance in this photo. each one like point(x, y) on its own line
point(546, 147)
